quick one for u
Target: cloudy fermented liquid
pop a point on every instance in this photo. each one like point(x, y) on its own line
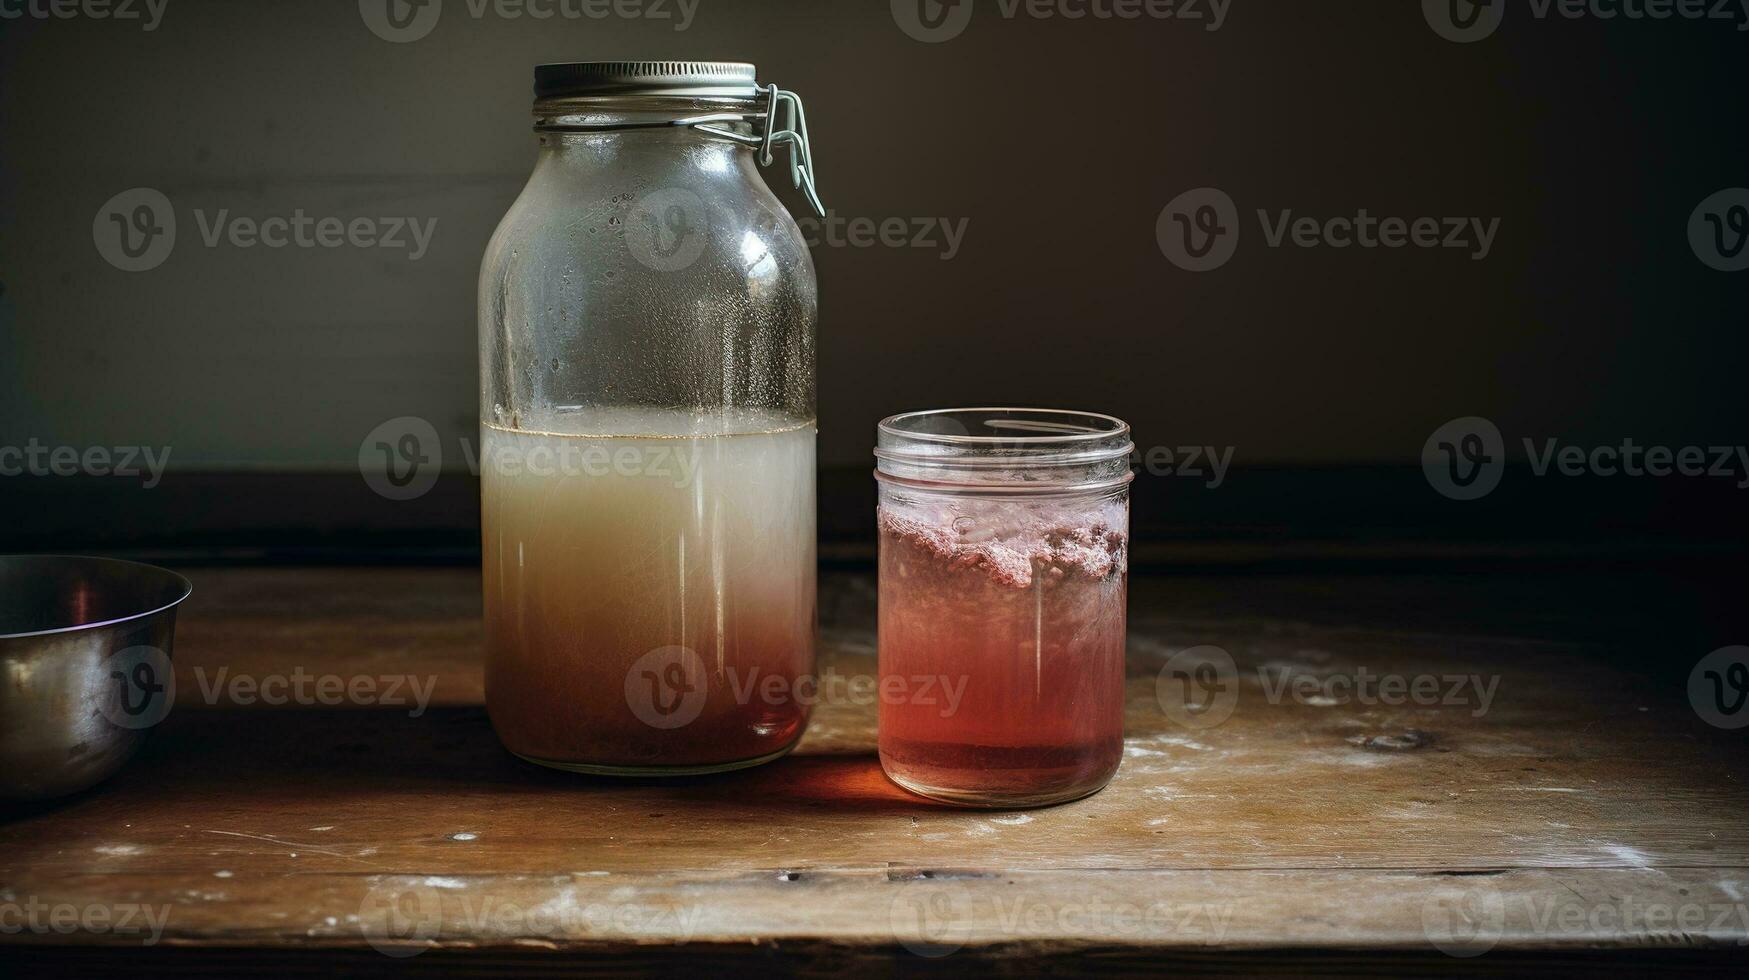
point(649, 587)
point(1021, 603)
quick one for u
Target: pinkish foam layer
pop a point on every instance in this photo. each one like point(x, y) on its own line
point(1093, 548)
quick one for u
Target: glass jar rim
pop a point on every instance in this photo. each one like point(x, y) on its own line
point(996, 448)
point(1044, 427)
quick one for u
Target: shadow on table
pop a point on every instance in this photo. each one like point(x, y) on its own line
point(338, 754)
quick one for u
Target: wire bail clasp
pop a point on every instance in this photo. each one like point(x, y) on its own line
point(785, 110)
point(785, 122)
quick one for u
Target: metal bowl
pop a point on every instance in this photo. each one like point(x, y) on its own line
point(84, 668)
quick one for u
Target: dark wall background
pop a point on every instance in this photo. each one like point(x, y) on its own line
point(1057, 142)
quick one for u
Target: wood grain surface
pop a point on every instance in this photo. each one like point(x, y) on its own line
point(1553, 800)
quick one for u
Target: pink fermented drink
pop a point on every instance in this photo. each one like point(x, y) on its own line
point(1003, 575)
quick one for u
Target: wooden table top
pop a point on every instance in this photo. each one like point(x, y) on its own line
point(1533, 796)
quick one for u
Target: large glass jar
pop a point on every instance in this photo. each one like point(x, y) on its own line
point(647, 315)
point(1004, 564)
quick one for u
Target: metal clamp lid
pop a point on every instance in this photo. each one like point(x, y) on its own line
point(697, 79)
point(781, 120)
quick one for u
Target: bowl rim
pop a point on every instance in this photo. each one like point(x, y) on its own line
point(186, 589)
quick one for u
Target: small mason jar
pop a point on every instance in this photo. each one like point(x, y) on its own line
point(1004, 538)
point(647, 316)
